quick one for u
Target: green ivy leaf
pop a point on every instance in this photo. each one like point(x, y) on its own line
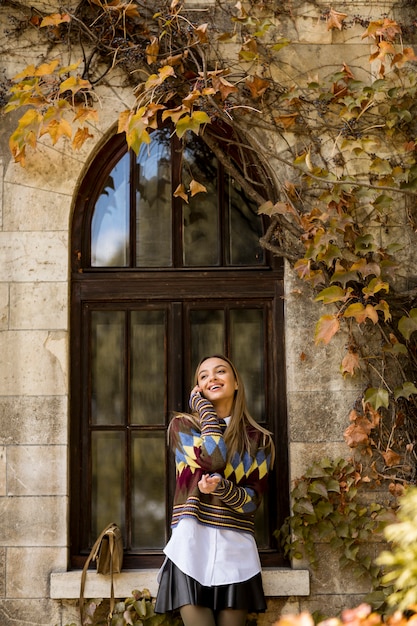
point(377, 397)
point(319, 488)
point(405, 391)
point(408, 324)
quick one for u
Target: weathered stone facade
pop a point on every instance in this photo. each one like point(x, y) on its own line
point(36, 204)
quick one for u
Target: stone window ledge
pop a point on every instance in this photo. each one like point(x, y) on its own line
point(277, 582)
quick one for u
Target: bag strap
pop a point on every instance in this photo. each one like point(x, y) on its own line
point(111, 549)
point(91, 556)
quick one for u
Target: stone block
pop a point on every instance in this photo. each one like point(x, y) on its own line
point(33, 420)
point(34, 363)
point(38, 306)
point(33, 521)
point(36, 470)
point(50, 211)
point(39, 562)
point(22, 612)
point(48, 168)
point(329, 578)
point(30, 257)
point(332, 605)
point(2, 572)
point(4, 306)
point(319, 416)
point(302, 455)
point(3, 462)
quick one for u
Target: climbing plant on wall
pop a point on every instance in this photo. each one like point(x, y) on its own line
point(339, 146)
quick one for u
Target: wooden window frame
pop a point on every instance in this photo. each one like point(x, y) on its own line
point(112, 286)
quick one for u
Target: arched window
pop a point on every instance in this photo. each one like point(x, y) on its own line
point(157, 283)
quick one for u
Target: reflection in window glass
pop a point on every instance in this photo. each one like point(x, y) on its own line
point(148, 490)
point(153, 200)
point(207, 334)
point(148, 367)
point(110, 221)
point(247, 339)
point(107, 497)
point(201, 240)
point(107, 367)
point(245, 227)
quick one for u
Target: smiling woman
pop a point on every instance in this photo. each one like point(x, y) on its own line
point(222, 461)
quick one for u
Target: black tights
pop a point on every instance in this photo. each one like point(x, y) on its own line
point(202, 616)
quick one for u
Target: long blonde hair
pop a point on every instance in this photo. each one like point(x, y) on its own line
point(236, 436)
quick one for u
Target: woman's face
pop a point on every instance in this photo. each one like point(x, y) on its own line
point(217, 382)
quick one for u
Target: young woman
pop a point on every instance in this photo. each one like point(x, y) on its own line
point(212, 571)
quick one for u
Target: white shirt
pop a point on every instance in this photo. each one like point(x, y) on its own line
point(213, 556)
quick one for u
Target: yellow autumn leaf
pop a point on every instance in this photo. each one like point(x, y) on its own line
point(196, 187)
point(46, 68)
point(80, 137)
point(57, 129)
point(181, 193)
point(54, 19)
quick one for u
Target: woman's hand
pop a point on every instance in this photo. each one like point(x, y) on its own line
point(208, 483)
point(195, 393)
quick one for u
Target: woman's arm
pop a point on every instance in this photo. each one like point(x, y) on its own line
point(246, 497)
point(206, 449)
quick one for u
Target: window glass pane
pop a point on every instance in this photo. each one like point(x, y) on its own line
point(148, 490)
point(153, 201)
point(262, 524)
point(201, 242)
point(245, 227)
point(148, 367)
point(110, 221)
point(107, 491)
point(107, 370)
point(247, 340)
point(207, 334)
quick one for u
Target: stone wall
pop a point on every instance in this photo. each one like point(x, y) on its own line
point(35, 217)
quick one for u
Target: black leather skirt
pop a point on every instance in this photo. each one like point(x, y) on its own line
point(177, 589)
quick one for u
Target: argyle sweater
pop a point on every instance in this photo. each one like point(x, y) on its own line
point(202, 450)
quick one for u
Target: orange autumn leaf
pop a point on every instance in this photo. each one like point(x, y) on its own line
point(152, 50)
point(287, 120)
point(257, 86)
point(391, 458)
point(223, 86)
point(350, 363)
point(335, 19)
point(326, 327)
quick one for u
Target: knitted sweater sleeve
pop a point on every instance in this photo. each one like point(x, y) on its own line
point(246, 497)
point(205, 449)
